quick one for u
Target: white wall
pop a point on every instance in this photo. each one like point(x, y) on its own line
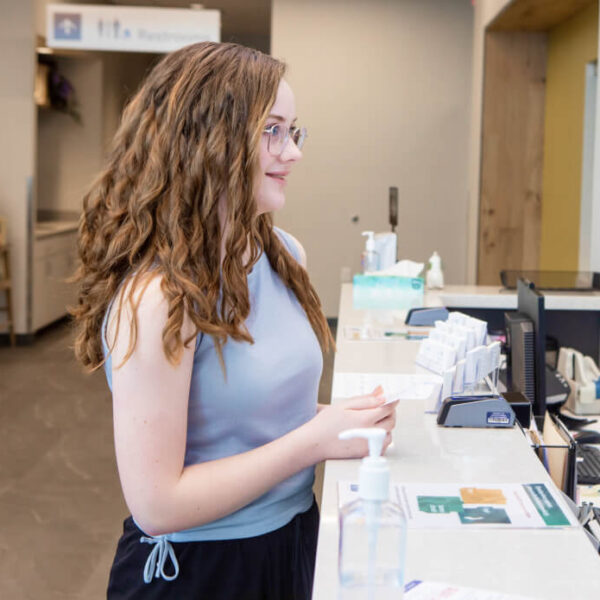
point(17, 132)
point(384, 88)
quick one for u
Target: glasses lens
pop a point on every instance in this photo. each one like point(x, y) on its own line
point(278, 137)
point(299, 136)
point(274, 140)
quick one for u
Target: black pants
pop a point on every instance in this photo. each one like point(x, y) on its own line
point(278, 565)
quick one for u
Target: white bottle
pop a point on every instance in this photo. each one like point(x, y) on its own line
point(369, 259)
point(435, 276)
point(372, 530)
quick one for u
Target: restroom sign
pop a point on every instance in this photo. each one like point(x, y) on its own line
point(128, 29)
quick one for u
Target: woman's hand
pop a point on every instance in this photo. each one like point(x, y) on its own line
point(359, 411)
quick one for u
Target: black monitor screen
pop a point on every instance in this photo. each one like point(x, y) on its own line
point(531, 305)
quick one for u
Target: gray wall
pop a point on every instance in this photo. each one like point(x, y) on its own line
point(384, 88)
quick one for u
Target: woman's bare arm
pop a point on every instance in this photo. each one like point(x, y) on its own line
point(150, 398)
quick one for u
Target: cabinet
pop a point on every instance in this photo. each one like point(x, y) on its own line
point(54, 262)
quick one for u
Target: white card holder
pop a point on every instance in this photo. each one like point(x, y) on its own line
point(435, 356)
point(459, 378)
point(448, 382)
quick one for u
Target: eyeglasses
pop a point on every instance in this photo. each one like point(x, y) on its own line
point(278, 137)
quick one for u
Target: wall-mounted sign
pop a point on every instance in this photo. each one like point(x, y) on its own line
point(128, 29)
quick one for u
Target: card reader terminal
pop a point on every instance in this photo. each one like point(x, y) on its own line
point(476, 411)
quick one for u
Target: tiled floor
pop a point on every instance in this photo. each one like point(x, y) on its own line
point(61, 507)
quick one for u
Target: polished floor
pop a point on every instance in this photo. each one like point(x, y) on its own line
point(61, 507)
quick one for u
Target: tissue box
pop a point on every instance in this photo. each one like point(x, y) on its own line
point(387, 292)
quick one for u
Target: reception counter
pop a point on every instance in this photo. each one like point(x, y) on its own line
point(549, 564)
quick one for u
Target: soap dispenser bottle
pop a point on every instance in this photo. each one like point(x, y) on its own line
point(372, 530)
point(369, 259)
point(435, 276)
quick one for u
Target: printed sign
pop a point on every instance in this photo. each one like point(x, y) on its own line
point(128, 29)
point(460, 506)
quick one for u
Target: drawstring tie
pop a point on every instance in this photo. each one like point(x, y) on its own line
point(155, 564)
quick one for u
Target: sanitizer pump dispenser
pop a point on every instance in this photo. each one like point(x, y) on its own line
point(372, 530)
point(369, 259)
point(435, 275)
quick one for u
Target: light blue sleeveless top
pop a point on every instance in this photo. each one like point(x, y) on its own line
point(271, 388)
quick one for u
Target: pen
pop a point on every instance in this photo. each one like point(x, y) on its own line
point(409, 335)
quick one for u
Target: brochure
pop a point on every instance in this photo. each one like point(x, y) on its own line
point(447, 506)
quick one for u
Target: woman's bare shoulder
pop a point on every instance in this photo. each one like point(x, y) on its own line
point(298, 246)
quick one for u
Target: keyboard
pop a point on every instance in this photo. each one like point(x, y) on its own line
point(588, 464)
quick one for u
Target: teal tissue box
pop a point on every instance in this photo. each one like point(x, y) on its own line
point(387, 292)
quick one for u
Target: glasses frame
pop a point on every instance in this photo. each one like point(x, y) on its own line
point(290, 132)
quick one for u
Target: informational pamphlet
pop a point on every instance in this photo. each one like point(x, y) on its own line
point(429, 590)
point(448, 506)
point(396, 386)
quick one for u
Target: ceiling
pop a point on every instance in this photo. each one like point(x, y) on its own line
point(243, 21)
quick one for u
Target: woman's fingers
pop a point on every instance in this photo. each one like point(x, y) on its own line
point(364, 402)
point(369, 410)
point(390, 417)
point(388, 424)
point(372, 418)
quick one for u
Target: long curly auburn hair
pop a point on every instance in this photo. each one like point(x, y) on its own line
point(188, 137)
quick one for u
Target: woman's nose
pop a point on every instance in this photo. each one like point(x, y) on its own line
point(291, 152)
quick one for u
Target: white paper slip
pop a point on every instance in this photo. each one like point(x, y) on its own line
point(395, 386)
point(429, 590)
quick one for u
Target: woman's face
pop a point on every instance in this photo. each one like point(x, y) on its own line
point(274, 169)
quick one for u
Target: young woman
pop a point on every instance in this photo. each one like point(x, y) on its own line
point(211, 335)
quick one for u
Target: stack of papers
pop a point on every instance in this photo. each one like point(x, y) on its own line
point(395, 386)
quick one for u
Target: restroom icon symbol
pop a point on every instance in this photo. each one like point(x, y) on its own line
point(67, 26)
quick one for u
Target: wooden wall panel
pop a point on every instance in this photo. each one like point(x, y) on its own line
point(512, 153)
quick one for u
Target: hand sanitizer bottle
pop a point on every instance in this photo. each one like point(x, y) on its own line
point(369, 259)
point(372, 530)
point(435, 276)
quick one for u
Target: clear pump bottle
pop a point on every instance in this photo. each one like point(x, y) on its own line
point(372, 531)
point(369, 259)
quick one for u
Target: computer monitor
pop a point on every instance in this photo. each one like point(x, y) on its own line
point(526, 337)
